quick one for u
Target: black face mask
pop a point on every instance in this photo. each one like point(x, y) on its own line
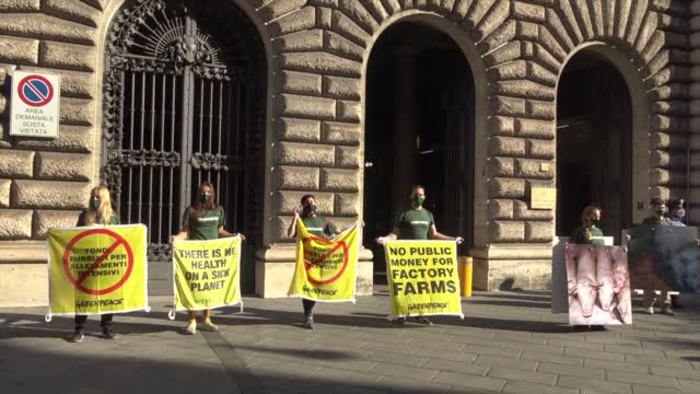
point(309, 208)
point(204, 198)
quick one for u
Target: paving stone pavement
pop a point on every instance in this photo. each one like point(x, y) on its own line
point(509, 343)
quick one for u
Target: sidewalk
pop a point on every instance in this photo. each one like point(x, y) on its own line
point(509, 342)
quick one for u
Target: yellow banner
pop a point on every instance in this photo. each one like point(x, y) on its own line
point(206, 273)
point(326, 270)
point(423, 278)
point(97, 270)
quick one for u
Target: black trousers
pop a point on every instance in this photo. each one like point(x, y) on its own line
point(105, 321)
point(308, 307)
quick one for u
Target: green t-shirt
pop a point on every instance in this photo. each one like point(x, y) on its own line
point(82, 219)
point(319, 227)
point(414, 224)
point(653, 221)
point(579, 236)
point(208, 224)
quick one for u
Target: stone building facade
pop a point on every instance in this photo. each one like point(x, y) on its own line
point(316, 56)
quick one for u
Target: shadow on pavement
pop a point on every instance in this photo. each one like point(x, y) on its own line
point(17, 325)
point(63, 326)
point(530, 296)
point(278, 317)
point(511, 302)
point(267, 317)
point(328, 355)
point(24, 369)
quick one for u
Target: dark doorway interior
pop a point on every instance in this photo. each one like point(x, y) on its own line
point(419, 130)
point(594, 145)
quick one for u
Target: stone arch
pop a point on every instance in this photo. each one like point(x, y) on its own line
point(110, 8)
point(544, 36)
point(320, 49)
point(335, 38)
point(523, 47)
point(646, 32)
point(230, 71)
point(477, 71)
point(619, 59)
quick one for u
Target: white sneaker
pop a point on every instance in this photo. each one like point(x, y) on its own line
point(667, 310)
point(649, 311)
point(191, 327)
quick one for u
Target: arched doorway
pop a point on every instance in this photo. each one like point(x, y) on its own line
point(183, 103)
point(594, 144)
point(419, 129)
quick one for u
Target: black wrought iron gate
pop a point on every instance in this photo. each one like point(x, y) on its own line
point(184, 103)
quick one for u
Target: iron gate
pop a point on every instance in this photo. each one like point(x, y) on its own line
point(183, 103)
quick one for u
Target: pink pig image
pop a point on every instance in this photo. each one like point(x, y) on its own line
point(586, 284)
point(575, 313)
point(571, 251)
point(604, 278)
point(621, 284)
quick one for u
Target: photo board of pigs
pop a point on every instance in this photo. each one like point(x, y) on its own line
point(598, 284)
point(560, 291)
point(664, 258)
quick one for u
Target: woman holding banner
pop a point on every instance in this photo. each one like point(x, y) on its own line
point(416, 223)
point(203, 221)
point(657, 218)
point(99, 212)
point(318, 226)
point(676, 217)
point(588, 233)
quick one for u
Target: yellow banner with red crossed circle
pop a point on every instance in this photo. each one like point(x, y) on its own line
point(96, 270)
point(326, 269)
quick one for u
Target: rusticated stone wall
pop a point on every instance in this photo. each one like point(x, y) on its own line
point(319, 49)
point(44, 183)
point(524, 46)
point(693, 144)
point(669, 81)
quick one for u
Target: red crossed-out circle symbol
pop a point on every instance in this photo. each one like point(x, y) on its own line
point(79, 282)
point(310, 264)
point(35, 90)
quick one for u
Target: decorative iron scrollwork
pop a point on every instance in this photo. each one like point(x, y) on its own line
point(140, 64)
point(156, 29)
point(212, 162)
point(144, 158)
point(189, 49)
point(160, 252)
point(111, 176)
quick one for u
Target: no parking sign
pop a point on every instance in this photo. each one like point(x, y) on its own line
point(35, 104)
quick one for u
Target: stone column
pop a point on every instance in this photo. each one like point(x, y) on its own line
point(694, 129)
point(405, 144)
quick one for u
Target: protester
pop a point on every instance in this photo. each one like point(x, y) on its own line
point(588, 233)
point(416, 223)
point(676, 215)
point(205, 220)
point(316, 225)
point(99, 212)
point(676, 212)
point(658, 218)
